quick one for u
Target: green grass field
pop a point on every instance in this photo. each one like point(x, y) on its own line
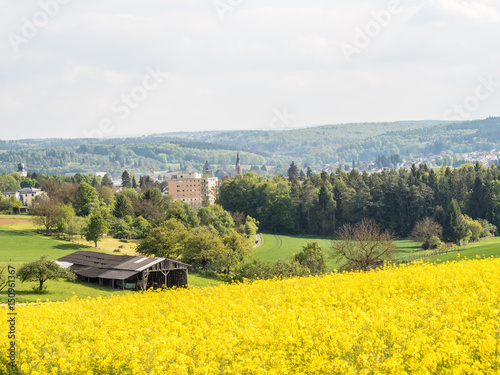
point(19, 243)
point(275, 247)
point(484, 249)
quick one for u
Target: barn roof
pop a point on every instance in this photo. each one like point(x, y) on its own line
point(108, 266)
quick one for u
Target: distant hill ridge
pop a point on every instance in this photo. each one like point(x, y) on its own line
point(313, 146)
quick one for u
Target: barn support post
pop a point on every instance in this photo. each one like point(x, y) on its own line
point(145, 275)
point(165, 274)
point(113, 283)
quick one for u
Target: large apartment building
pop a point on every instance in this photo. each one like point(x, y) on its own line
point(192, 187)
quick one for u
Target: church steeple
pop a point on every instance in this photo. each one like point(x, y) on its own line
point(239, 169)
point(207, 170)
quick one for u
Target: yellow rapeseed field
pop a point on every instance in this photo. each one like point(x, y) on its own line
point(423, 319)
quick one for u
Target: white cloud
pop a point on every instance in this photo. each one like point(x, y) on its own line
point(445, 11)
point(232, 74)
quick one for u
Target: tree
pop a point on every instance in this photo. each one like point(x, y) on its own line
point(122, 207)
point(126, 182)
point(424, 230)
point(15, 204)
point(96, 227)
point(312, 257)
point(475, 228)
point(106, 181)
point(217, 217)
point(251, 226)
point(362, 245)
point(141, 227)
point(166, 240)
point(76, 226)
point(234, 253)
point(293, 170)
point(42, 270)
point(86, 199)
point(48, 213)
point(457, 226)
point(203, 247)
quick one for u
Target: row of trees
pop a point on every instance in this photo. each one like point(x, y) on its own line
point(396, 200)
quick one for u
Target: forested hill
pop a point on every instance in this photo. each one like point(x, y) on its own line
point(312, 146)
point(363, 142)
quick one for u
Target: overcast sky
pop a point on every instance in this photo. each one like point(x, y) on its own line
point(76, 68)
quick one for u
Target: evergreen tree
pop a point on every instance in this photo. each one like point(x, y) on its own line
point(106, 181)
point(86, 199)
point(123, 207)
point(302, 175)
point(457, 226)
point(293, 170)
point(126, 182)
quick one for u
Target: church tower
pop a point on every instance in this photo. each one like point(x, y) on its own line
point(239, 169)
point(207, 170)
point(21, 170)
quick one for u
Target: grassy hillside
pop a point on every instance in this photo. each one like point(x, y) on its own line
point(19, 243)
point(484, 249)
point(275, 247)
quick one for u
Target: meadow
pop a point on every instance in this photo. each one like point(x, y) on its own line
point(421, 319)
point(275, 247)
point(19, 243)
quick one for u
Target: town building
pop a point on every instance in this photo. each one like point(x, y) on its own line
point(25, 195)
point(28, 195)
point(125, 271)
point(9, 194)
point(192, 188)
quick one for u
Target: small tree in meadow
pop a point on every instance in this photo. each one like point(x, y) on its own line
point(312, 257)
point(42, 270)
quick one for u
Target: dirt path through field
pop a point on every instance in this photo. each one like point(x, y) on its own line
point(13, 221)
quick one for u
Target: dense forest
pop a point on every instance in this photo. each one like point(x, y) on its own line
point(315, 146)
point(395, 199)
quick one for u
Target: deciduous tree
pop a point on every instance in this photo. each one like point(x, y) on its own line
point(362, 245)
point(167, 240)
point(42, 270)
point(97, 227)
point(312, 257)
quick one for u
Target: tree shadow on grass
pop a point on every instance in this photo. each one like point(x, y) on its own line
point(70, 247)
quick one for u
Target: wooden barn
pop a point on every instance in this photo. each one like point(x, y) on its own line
point(125, 271)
